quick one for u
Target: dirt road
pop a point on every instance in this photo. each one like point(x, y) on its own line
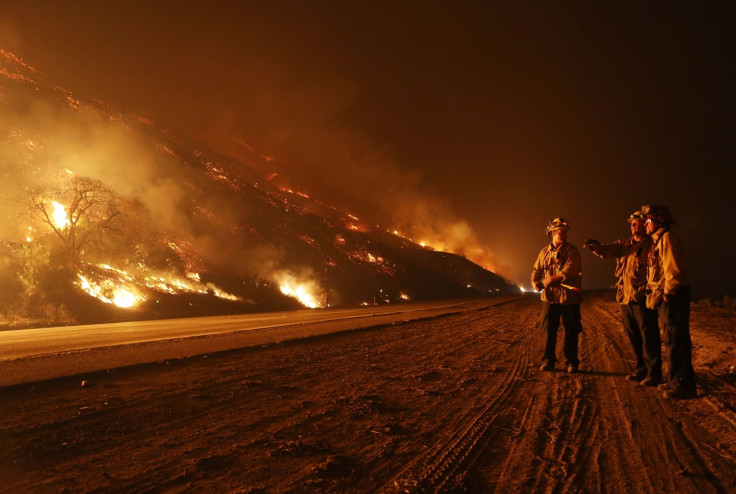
point(454, 403)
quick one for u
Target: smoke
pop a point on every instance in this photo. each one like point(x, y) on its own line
point(9, 36)
point(42, 140)
point(49, 137)
point(304, 128)
point(305, 132)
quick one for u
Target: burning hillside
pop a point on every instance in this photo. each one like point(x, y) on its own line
point(110, 217)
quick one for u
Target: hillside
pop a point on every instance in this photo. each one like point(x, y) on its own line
point(110, 217)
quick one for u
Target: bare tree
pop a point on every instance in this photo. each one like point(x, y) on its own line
point(79, 213)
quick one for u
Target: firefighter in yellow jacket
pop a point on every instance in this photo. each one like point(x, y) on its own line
point(640, 323)
point(557, 273)
point(668, 292)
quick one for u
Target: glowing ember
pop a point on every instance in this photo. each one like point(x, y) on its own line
point(58, 216)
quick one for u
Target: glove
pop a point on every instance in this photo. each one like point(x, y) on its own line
point(590, 243)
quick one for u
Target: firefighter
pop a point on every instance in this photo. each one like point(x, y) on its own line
point(557, 274)
point(668, 291)
point(640, 323)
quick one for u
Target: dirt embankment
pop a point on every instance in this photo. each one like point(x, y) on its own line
point(454, 403)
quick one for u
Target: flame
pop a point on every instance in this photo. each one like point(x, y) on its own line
point(357, 227)
point(308, 292)
point(292, 191)
point(108, 292)
point(459, 239)
point(58, 216)
point(193, 285)
point(126, 290)
point(124, 298)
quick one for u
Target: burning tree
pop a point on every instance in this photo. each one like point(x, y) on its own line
point(80, 214)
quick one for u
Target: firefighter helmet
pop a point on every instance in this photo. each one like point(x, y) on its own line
point(659, 213)
point(557, 224)
point(635, 215)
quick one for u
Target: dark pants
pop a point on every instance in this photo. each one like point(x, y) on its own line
point(640, 325)
point(674, 320)
point(570, 315)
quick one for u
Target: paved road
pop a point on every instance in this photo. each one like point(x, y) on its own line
point(45, 353)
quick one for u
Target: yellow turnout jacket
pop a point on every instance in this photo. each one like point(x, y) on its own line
point(667, 270)
point(564, 260)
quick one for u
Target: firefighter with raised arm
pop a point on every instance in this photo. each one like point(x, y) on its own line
point(640, 323)
point(557, 272)
point(668, 292)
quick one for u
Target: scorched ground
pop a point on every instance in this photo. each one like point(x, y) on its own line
point(454, 403)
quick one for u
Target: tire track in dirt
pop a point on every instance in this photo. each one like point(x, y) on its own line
point(652, 449)
point(594, 431)
point(437, 370)
point(424, 369)
point(672, 446)
point(715, 409)
point(368, 414)
point(607, 431)
point(446, 463)
point(607, 396)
